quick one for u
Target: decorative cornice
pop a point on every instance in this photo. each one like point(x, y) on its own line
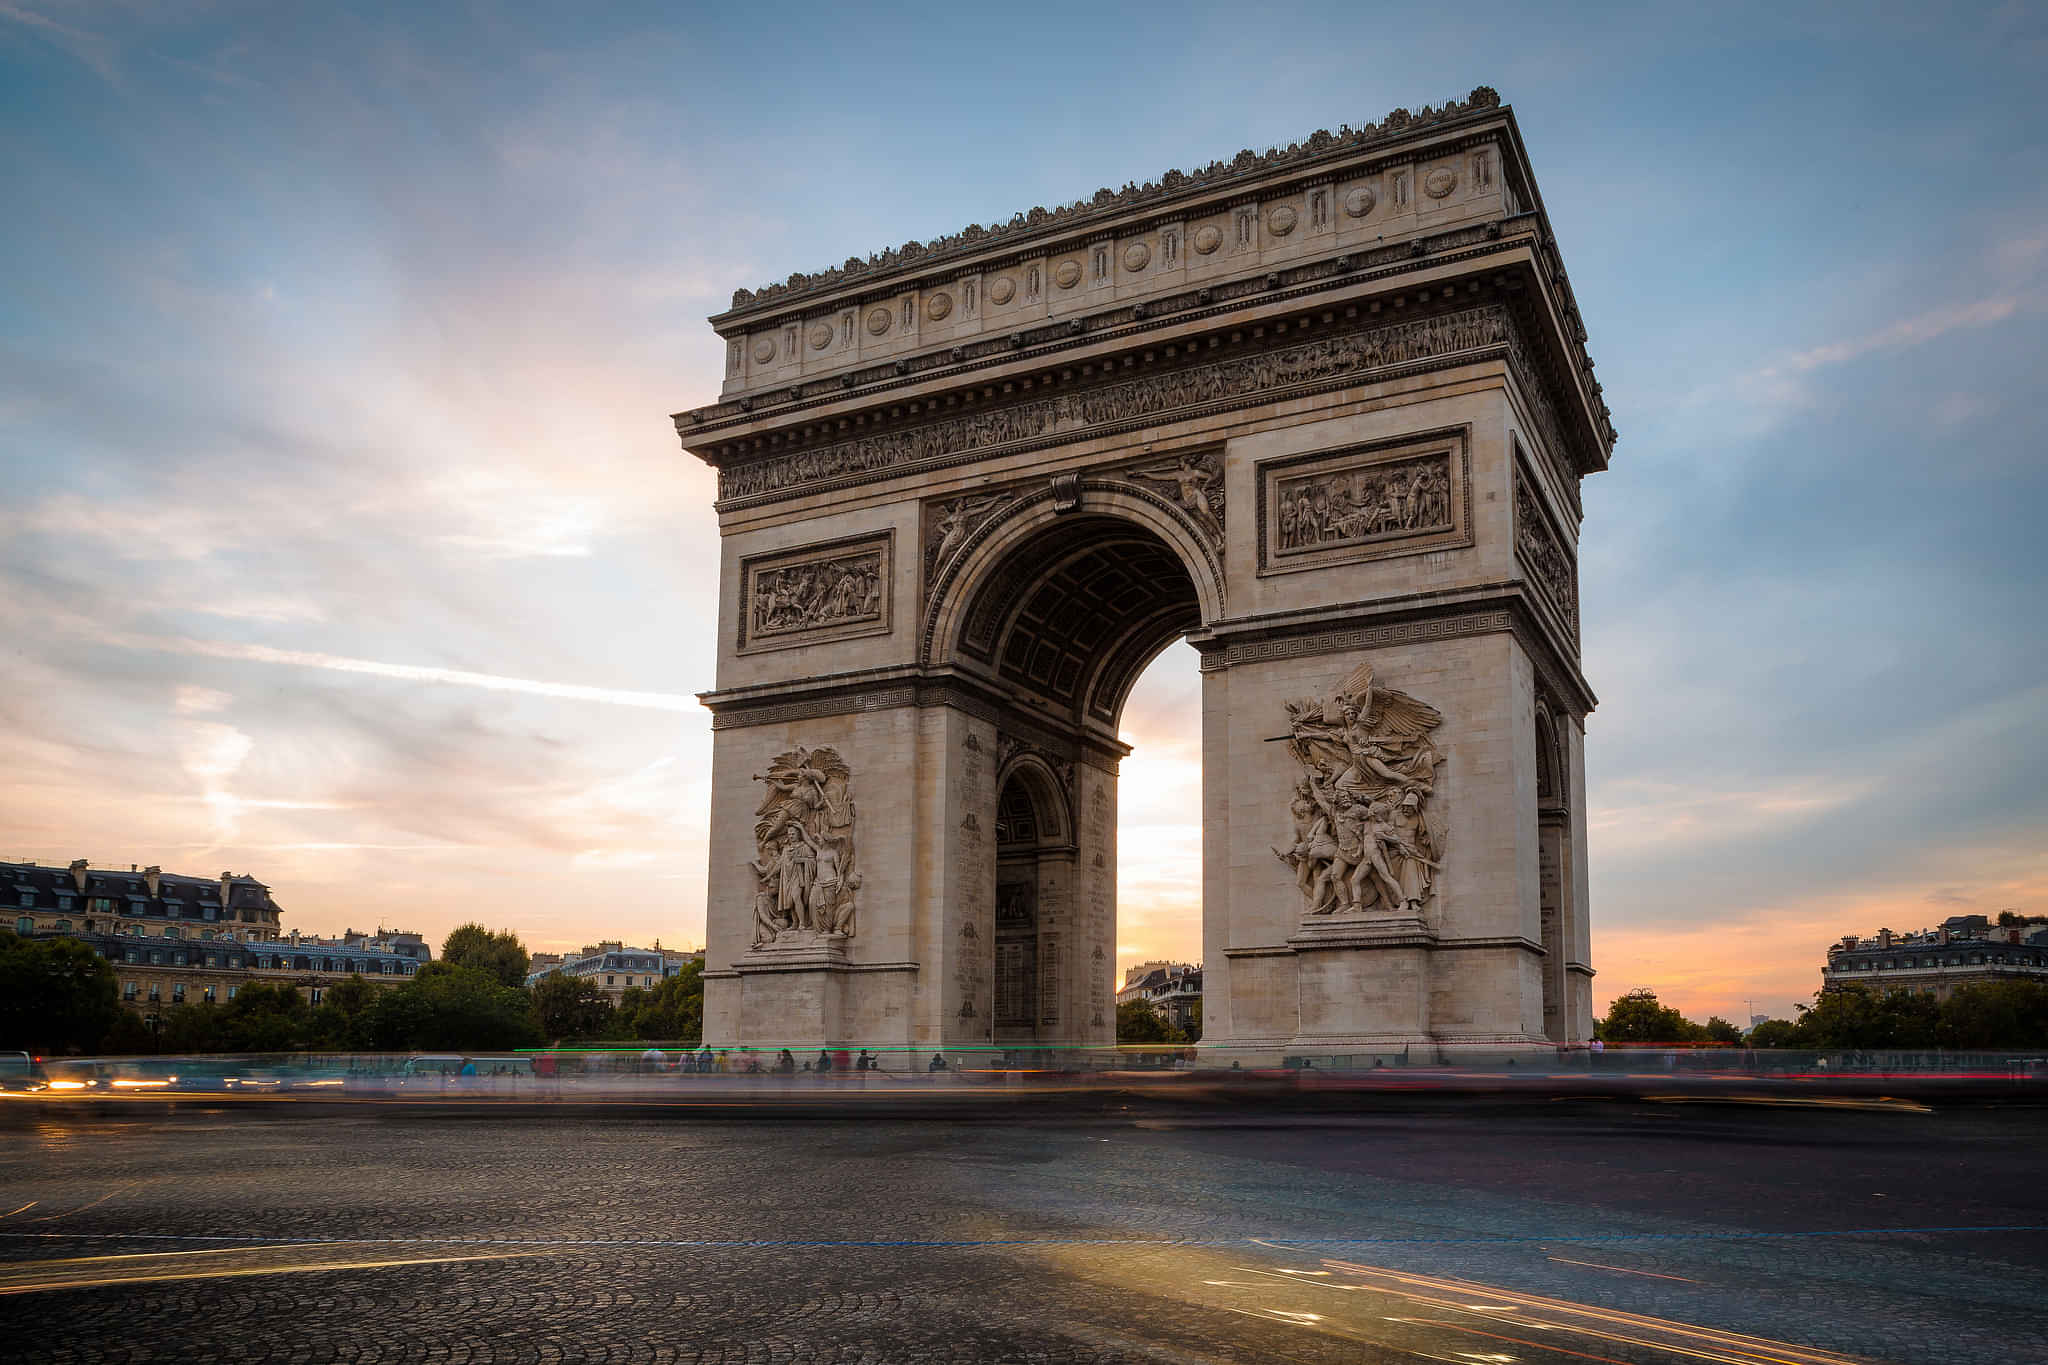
point(1130, 321)
point(1107, 202)
point(1275, 375)
point(1280, 647)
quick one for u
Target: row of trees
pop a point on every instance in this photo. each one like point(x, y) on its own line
point(1998, 1016)
point(57, 995)
point(1140, 1021)
point(2003, 1016)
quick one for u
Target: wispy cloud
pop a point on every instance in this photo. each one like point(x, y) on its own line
point(453, 677)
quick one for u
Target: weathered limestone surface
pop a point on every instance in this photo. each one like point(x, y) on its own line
point(1322, 412)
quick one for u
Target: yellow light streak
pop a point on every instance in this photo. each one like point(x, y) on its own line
point(1729, 1348)
point(306, 1268)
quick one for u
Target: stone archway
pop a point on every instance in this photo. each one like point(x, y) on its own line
point(1053, 613)
point(1323, 413)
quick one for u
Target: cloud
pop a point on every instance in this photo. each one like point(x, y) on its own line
point(454, 677)
point(199, 701)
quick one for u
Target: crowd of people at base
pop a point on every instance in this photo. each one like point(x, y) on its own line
point(706, 1061)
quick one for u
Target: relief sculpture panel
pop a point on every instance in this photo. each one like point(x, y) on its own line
point(1363, 503)
point(1542, 552)
point(815, 594)
point(1368, 840)
point(805, 875)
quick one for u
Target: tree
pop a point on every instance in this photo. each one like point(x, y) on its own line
point(1775, 1033)
point(1856, 1018)
point(199, 1027)
point(1639, 1017)
point(1719, 1030)
point(565, 1007)
point(1138, 1022)
point(341, 1022)
point(500, 955)
point(1996, 1016)
point(672, 1011)
point(265, 1016)
point(450, 1007)
point(56, 995)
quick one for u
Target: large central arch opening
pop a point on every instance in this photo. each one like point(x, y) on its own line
point(1065, 621)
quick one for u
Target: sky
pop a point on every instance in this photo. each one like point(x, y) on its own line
point(345, 540)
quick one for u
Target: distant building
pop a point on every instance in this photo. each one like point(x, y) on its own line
point(175, 939)
point(1966, 950)
point(1173, 988)
point(614, 967)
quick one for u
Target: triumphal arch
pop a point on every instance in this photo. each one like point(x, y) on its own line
point(1321, 411)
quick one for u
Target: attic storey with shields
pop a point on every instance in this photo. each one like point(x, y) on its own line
point(1323, 413)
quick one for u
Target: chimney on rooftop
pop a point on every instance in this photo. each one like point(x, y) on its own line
point(78, 867)
point(152, 877)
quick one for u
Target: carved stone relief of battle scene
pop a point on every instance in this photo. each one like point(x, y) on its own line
point(1362, 504)
point(1368, 835)
point(805, 873)
point(817, 593)
point(1539, 548)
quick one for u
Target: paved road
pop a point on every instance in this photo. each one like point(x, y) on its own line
point(1503, 1235)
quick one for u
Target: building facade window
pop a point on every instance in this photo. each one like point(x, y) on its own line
point(232, 990)
point(129, 990)
point(24, 925)
point(156, 991)
point(206, 994)
point(62, 926)
point(63, 902)
point(177, 993)
point(316, 995)
point(28, 898)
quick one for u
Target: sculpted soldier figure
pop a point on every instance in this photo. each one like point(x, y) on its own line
point(1364, 836)
point(804, 835)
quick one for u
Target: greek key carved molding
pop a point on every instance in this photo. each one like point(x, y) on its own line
point(811, 708)
point(1362, 637)
point(1281, 372)
point(831, 591)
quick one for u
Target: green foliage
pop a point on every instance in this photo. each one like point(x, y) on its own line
point(1775, 1033)
point(1639, 1017)
point(566, 1008)
point(1999, 1016)
point(1138, 1022)
point(452, 1007)
point(671, 1012)
point(341, 1021)
point(128, 1037)
point(264, 1016)
point(1719, 1030)
point(500, 955)
point(56, 995)
point(1996, 1016)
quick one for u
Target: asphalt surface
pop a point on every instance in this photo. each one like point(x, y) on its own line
point(1479, 1233)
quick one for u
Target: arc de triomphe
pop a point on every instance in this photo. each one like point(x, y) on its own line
point(1323, 412)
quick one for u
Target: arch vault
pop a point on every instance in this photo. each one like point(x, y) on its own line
point(1322, 412)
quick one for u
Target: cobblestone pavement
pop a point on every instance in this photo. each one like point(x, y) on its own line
point(1618, 1232)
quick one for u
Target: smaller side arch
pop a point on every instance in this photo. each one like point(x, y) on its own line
point(1051, 802)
